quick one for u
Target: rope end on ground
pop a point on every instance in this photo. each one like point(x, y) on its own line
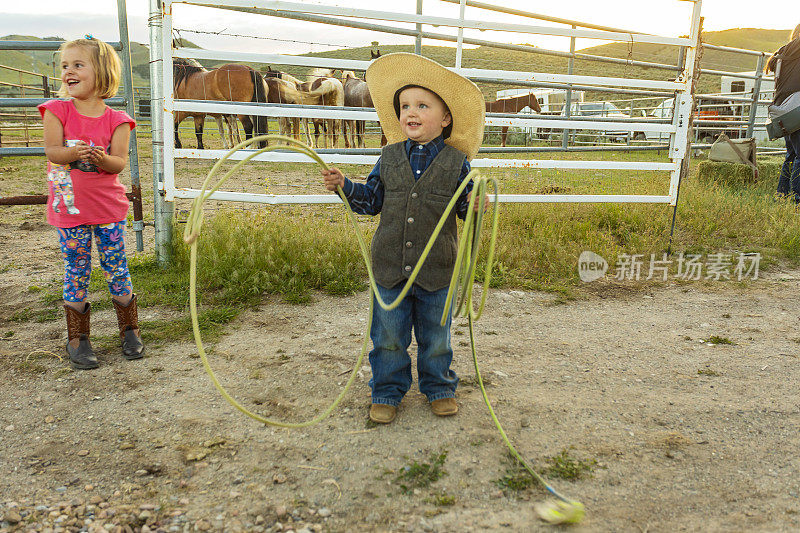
point(556, 512)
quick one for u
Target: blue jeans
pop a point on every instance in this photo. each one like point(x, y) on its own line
point(391, 337)
point(790, 171)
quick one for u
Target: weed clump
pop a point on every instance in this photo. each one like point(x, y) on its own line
point(443, 500)
point(716, 339)
point(564, 466)
point(420, 475)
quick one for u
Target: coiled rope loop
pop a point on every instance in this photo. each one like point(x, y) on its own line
point(461, 282)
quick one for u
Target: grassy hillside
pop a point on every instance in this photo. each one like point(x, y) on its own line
point(484, 57)
point(44, 63)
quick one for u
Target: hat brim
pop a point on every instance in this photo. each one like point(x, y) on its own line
point(389, 73)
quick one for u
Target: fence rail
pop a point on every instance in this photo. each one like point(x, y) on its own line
point(675, 128)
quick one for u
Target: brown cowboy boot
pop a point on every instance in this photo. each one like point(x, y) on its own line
point(82, 357)
point(128, 321)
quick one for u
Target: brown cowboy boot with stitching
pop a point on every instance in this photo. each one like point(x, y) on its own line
point(381, 413)
point(444, 407)
point(128, 321)
point(82, 357)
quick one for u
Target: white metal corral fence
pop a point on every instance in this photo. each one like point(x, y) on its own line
point(676, 128)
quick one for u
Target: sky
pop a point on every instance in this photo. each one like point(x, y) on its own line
point(43, 18)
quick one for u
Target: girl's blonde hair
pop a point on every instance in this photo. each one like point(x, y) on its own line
point(106, 64)
point(795, 33)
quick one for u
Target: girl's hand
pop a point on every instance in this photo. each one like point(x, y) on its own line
point(333, 178)
point(96, 155)
point(82, 151)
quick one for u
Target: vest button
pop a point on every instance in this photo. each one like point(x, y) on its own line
point(407, 268)
point(409, 244)
point(410, 220)
point(414, 195)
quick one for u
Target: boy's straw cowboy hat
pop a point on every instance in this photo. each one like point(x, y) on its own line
point(389, 73)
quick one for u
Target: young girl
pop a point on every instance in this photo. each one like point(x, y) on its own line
point(86, 143)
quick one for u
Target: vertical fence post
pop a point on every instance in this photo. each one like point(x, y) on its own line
point(24, 113)
point(568, 99)
point(680, 147)
point(418, 39)
point(45, 87)
point(756, 96)
point(163, 210)
point(127, 78)
point(460, 40)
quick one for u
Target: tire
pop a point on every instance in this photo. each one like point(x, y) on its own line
point(639, 136)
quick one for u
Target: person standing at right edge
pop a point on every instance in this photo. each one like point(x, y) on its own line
point(786, 65)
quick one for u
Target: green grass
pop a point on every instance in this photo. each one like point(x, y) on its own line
point(560, 466)
point(292, 251)
point(516, 478)
point(443, 500)
point(420, 475)
point(564, 466)
point(22, 315)
point(716, 339)
point(242, 256)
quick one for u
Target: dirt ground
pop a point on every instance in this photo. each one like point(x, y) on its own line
point(681, 434)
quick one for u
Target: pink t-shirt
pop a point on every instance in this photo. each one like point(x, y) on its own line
point(81, 193)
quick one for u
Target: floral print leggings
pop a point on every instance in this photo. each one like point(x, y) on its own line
point(76, 247)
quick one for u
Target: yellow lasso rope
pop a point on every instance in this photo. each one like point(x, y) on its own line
point(566, 510)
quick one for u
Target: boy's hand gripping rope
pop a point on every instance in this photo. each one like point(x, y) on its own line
point(564, 510)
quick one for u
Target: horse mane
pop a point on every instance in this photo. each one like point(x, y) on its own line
point(183, 68)
point(530, 98)
point(288, 77)
point(347, 74)
point(272, 73)
point(515, 96)
point(320, 73)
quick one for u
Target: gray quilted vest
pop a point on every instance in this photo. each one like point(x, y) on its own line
point(411, 209)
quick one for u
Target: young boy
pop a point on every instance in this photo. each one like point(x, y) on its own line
point(434, 121)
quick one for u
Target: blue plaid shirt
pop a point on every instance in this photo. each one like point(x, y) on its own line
point(367, 198)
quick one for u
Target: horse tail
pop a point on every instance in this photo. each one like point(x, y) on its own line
point(259, 95)
point(330, 88)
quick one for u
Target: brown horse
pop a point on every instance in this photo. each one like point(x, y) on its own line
point(330, 92)
point(303, 94)
point(512, 104)
point(356, 94)
point(180, 69)
point(283, 89)
point(230, 82)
